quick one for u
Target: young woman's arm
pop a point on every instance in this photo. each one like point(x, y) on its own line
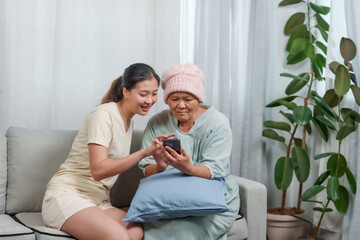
point(102, 167)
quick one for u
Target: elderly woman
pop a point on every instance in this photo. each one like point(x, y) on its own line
point(206, 141)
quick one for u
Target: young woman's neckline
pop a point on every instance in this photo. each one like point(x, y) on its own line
point(125, 115)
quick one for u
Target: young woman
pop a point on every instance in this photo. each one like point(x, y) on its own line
point(76, 200)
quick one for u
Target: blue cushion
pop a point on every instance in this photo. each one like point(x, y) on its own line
point(172, 194)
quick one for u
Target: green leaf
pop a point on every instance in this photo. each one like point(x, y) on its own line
point(337, 165)
point(333, 189)
point(308, 128)
point(342, 203)
point(353, 115)
point(269, 133)
point(316, 70)
point(289, 2)
point(323, 155)
point(345, 111)
point(303, 219)
point(324, 209)
point(301, 77)
point(342, 81)
point(331, 98)
point(323, 33)
point(321, 46)
point(333, 66)
point(283, 173)
point(289, 105)
point(314, 201)
point(321, 61)
point(322, 178)
point(356, 91)
point(276, 102)
point(347, 49)
point(351, 180)
point(320, 9)
point(278, 125)
point(322, 23)
point(299, 31)
point(288, 116)
point(294, 59)
point(311, 192)
point(325, 108)
point(300, 163)
point(298, 143)
point(344, 131)
point(323, 131)
point(325, 122)
point(298, 45)
point(310, 51)
point(297, 83)
point(302, 115)
point(294, 20)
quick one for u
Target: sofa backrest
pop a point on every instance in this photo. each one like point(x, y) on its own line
point(33, 156)
point(3, 173)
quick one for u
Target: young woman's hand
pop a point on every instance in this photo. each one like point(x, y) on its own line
point(159, 151)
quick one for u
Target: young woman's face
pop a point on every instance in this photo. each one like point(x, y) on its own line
point(183, 106)
point(142, 96)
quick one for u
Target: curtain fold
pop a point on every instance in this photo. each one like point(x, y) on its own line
point(58, 58)
point(231, 48)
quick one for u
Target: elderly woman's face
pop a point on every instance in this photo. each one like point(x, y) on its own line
point(183, 106)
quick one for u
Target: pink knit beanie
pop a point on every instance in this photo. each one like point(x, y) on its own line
point(184, 78)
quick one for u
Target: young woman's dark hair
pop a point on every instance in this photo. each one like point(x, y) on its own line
point(133, 74)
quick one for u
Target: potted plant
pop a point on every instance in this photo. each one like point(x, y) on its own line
point(302, 46)
point(342, 120)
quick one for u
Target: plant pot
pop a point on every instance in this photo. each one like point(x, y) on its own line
point(284, 227)
point(306, 237)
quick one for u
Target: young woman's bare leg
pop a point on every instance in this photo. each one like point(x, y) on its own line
point(135, 230)
point(93, 224)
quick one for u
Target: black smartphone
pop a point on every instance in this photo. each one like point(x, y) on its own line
point(174, 143)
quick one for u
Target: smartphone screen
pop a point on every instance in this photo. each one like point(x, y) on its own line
point(174, 143)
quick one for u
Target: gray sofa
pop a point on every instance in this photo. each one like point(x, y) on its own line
point(28, 159)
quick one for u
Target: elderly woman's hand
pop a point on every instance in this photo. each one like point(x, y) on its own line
point(181, 162)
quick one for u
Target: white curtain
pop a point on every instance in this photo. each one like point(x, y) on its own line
point(58, 58)
point(232, 48)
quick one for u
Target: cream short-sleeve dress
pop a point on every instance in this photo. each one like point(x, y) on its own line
point(73, 188)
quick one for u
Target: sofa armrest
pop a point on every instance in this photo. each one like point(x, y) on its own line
point(253, 197)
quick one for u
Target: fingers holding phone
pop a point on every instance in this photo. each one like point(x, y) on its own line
point(173, 143)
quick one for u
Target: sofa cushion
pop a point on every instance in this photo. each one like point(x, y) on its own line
point(33, 158)
point(238, 230)
point(3, 173)
point(33, 220)
point(10, 229)
point(172, 194)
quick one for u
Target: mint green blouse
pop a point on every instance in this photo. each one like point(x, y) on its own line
point(208, 142)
